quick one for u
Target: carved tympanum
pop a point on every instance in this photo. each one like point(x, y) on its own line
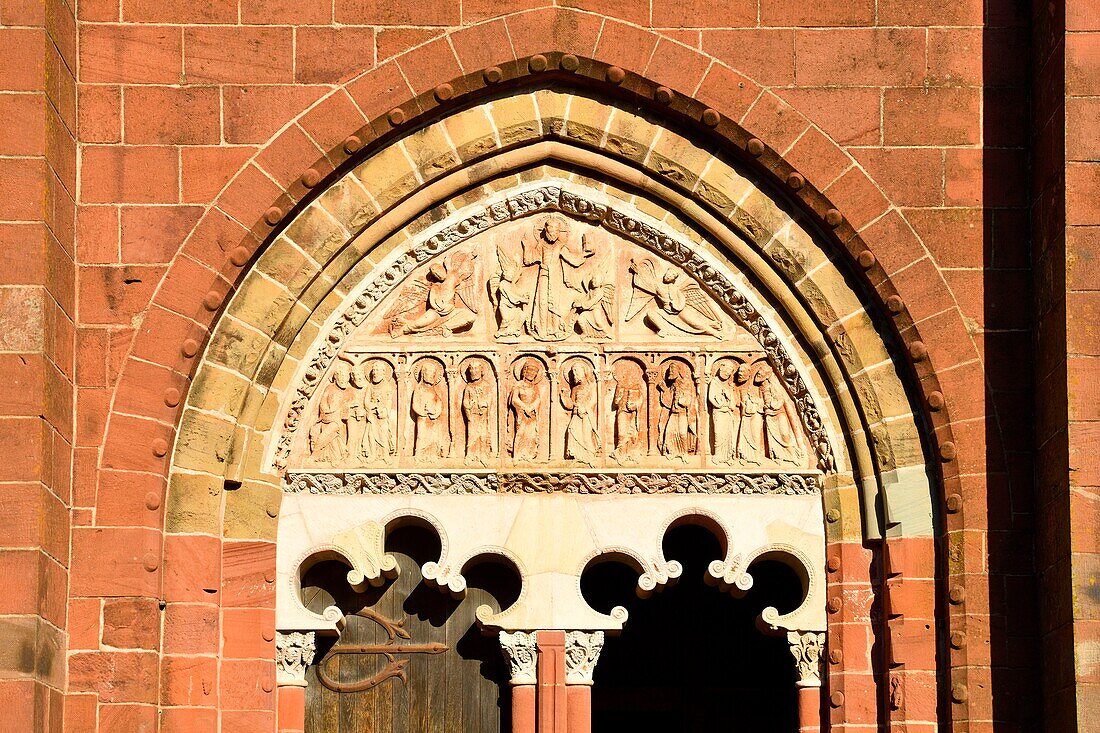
point(562, 342)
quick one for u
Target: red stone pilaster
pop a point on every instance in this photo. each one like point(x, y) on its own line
point(553, 704)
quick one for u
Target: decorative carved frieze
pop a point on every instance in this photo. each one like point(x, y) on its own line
point(582, 651)
point(294, 652)
point(594, 339)
point(522, 654)
point(346, 482)
point(806, 648)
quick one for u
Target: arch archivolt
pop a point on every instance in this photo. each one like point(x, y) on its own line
point(350, 251)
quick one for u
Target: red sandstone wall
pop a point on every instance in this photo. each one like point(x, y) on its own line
point(928, 96)
point(37, 310)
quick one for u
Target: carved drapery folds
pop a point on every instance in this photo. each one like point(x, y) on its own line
point(582, 651)
point(294, 651)
point(551, 329)
point(520, 651)
point(807, 648)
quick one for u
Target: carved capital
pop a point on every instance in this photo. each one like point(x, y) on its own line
point(582, 651)
point(522, 655)
point(294, 652)
point(806, 648)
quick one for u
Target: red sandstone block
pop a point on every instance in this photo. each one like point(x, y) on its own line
point(161, 337)
point(192, 568)
point(955, 236)
point(380, 90)
point(238, 55)
point(124, 498)
point(172, 116)
point(131, 54)
point(189, 681)
point(248, 633)
point(252, 114)
point(776, 123)
point(112, 562)
point(1083, 391)
point(1083, 311)
point(80, 713)
point(130, 442)
point(22, 381)
point(22, 189)
point(97, 235)
point(551, 29)
point(1083, 64)
point(84, 623)
point(248, 575)
point(188, 720)
point(130, 175)
point(190, 628)
point(474, 10)
point(33, 517)
point(1082, 130)
point(22, 124)
point(286, 12)
point(923, 289)
point(860, 57)
point(908, 176)
point(131, 623)
point(727, 91)
point(214, 237)
point(129, 718)
point(292, 707)
point(249, 195)
point(22, 254)
point(249, 721)
point(857, 198)
point(391, 41)
point(482, 45)
point(932, 116)
point(23, 569)
point(247, 684)
point(331, 122)
point(24, 68)
point(396, 12)
point(425, 67)
point(186, 285)
point(110, 294)
point(1082, 203)
point(332, 55)
point(765, 55)
point(703, 14)
point(153, 235)
point(676, 66)
point(289, 156)
point(180, 12)
point(206, 170)
point(23, 13)
point(143, 391)
point(930, 12)
point(787, 13)
point(117, 676)
point(818, 158)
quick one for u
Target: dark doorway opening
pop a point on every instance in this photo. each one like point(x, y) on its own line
point(691, 658)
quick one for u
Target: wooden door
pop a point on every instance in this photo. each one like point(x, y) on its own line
point(441, 675)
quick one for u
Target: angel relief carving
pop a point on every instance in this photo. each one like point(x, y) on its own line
point(444, 303)
point(670, 302)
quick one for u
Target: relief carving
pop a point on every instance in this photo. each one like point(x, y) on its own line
point(582, 651)
point(580, 396)
point(560, 369)
point(807, 647)
point(525, 407)
point(294, 652)
point(520, 650)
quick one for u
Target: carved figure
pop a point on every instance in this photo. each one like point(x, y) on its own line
point(509, 296)
point(429, 403)
point(627, 402)
point(356, 413)
point(478, 398)
point(556, 285)
point(750, 436)
point(779, 425)
point(679, 412)
point(724, 413)
point(328, 437)
point(525, 412)
point(594, 306)
point(671, 302)
point(581, 398)
point(379, 441)
point(447, 296)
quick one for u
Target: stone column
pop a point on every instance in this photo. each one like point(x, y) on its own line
point(553, 700)
point(582, 651)
point(806, 648)
point(294, 651)
point(522, 654)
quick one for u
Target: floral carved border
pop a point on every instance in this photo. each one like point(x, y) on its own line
point(554, 198)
